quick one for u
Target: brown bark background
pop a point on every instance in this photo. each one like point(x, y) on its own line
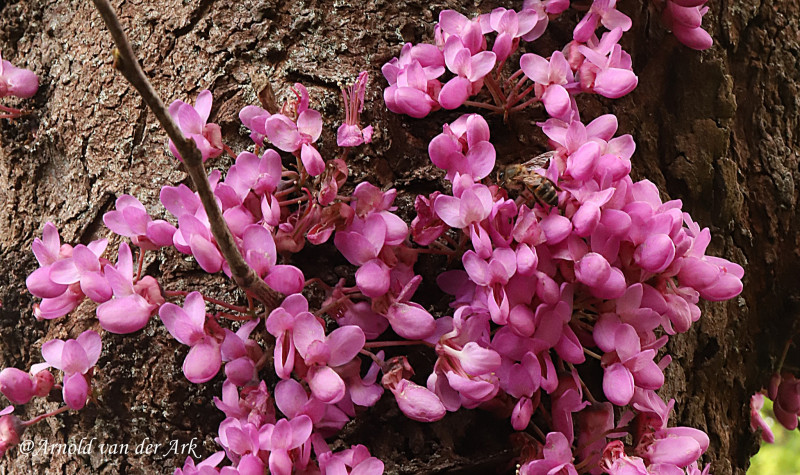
point(718, 129)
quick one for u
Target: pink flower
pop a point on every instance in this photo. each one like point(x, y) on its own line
point(205, 467)
point(130, 219)
point(469, 32)
point(19, 387)
point(557, 458)
point(259, 251)
point(11, 429)
point(241, 354)
point(84, 267)
point(350, 134)
point(193, 123)
point(58, 299)
point(601, 11)
point(280, 324)
point(552, 78)
point(607, 69)
point(255, 119)
point(628, 365)
point(756, 420)
point(417, 402)
point(321, 353)
point(685, 19)
point(355, 460)
point(16, 81)
point(290, 135)
point(413, 87)
point(470, 69)
point(510, 26)
point(282, 437)
point(75, 358)
point(463, 147)
point(133, 304)
point(187, 325)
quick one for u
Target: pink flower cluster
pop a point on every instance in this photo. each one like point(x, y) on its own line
point(76, 358)
point(67, 275)
point(610, 271)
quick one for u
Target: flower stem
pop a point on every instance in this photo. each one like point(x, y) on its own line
point(43, 416)
point(125, 61)
point(235, 308)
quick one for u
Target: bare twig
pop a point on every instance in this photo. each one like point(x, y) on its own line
point(124, 61)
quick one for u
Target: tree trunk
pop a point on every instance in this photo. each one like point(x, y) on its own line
point(718, 129)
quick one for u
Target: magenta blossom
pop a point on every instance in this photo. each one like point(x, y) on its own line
point(557, 458)
point(355, 461)
point(188, 326)
point(413, 87)
point(76, 359)
point(510, 26)
point(19, 387)
point(463, 147)
point(350, 134)
point(16, 81)
point(470, 69)
point(553, 78)
point(601, 11)
point(130, 219)
point(607, 69)
point(133, 303)
point(300, 134)
point(193, 123)
point(282, 437)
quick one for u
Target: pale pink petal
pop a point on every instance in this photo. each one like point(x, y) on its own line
point(75, 391)
point(203, 361)
point(310, 123)
point(326, 384)
point(282, 132)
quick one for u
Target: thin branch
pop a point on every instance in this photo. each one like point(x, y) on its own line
point(124, 61)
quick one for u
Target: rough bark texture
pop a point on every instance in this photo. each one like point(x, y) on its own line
point(718, 129)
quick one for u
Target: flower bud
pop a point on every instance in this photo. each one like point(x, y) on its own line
point(16, 385)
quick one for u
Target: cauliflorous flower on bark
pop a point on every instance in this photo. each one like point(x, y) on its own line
point(685, 19)
point(350, 133)
point(510, 25)
point(130, 219)
point(19, 387)
point(557, 458)
point(11, 429)
point(57, 299)
point(241, 354)
point(463, 147)
point(552, 78)
point(469, 68)
point(355, 461)
point(255, 119)
point(187, 325)
point(413, 87)
point(76, 359)
point(84, 267)
point(282, 437)
point(300, 134)
point(193, 123)
point(16, 81)
point(605, 13)
point(321, 353)
point(204, 467)
point(133, 303)
point(607, 69)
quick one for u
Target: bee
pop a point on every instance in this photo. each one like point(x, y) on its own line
point(523, 180)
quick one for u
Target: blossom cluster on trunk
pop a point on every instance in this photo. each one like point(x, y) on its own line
point(609, 271)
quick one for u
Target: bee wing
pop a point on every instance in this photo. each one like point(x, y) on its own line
point(539, 161)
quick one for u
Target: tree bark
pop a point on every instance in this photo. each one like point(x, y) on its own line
point(718, 129)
